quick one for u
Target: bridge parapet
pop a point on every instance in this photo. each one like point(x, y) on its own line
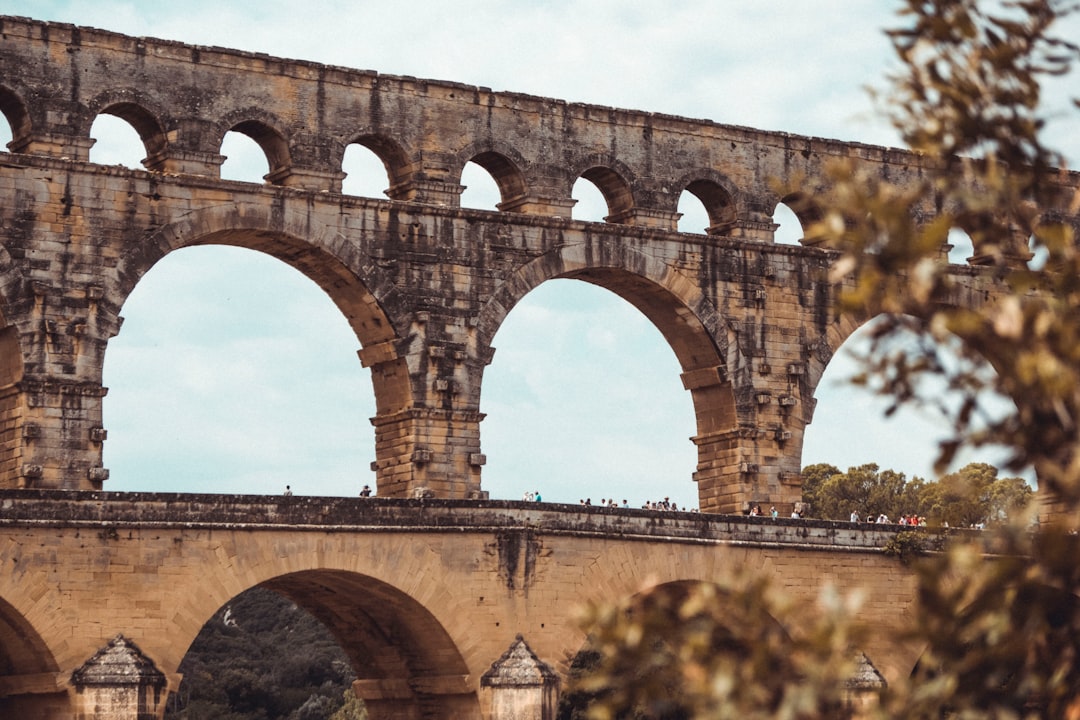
point(357, 515)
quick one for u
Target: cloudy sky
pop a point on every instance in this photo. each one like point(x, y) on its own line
point(233, 373)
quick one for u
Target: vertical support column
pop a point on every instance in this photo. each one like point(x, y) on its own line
point(59, 394)
point(428, 443)
point(520, 686)
point(426, 451)
point(119, 683)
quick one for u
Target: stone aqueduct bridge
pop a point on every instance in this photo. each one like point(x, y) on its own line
point(425, 595)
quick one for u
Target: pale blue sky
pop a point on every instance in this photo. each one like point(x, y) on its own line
point(234, 373)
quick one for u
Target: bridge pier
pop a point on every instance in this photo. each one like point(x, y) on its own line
point(520, 686)
point(119, 683)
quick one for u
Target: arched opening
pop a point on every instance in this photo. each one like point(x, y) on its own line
point(481, 190)
point(356, 628)
point(584, 400)
point(126, 134)
point(790, 227)
point(236, 373)
point(694, 218)
point(15, 125)
point(264, 656)
point(616, 192)
point(961, 249)
point(244, 160)
point(590, 204)
point(850, 427)
point(1040, 254)
point(717, 202)
point(365, 173)
point(116, 142)
point(28, 687)
point(5, 134)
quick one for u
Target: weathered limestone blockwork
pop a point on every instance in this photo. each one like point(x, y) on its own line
point(424, 284)
point(425, 597)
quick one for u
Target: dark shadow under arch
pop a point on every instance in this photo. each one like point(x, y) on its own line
point(717, 195)
point(18, 117)
point(27, 669)
point(404, 660)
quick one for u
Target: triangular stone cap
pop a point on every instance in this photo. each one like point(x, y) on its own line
point(519, 667)
point(866, 676)
point(118, 663)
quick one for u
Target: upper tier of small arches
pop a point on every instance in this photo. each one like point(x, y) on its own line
point(182, 101)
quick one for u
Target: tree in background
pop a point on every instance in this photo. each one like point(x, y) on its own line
point(973, 495)
point(263, 658)
point(1001, 634)
point(866, 489)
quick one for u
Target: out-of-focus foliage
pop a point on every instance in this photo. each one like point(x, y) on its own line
point(973, 495)
point(715, 651)
point(262, 658)
point(998, 617)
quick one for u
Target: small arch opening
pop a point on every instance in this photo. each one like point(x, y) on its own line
point(717, 203)
point(790, 228)
point(365, 173)
point(961, 248)
point(1040, 254)
point(590, 205)
point(244, 159)
point(116, 142)
point(15, 122)
point(616, 192)
point(694, 217)
point(481, 191)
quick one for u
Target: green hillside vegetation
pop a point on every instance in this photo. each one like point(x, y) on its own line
point(263, 658)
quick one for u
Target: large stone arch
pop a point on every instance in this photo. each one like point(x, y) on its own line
point(674, 303)
point(29, 675)
point(404, 631)
point(356, 285)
